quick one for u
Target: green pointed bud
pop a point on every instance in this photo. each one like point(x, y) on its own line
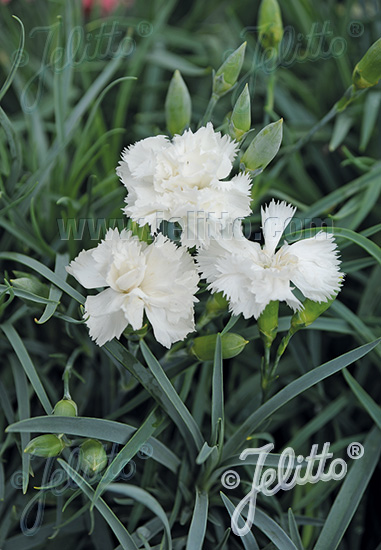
point(240, 121)
point(368, 70)
point(263, 148)
point(204, 347)
point(216, 304)
point(30, 283)
point(310, 312)
point(178, 105)
point(46, 445)
point(66, 407)
point(268, 323)
point(92, 456)
point(270, 24)
point(228, 73)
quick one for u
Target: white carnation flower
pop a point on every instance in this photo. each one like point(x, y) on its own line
point(182, 181)
point(159, 279)
point(251, 276)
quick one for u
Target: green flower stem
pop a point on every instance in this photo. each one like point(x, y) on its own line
point(265, 371)
point(281, 349)
point(67, 372)
point(269, 106)
point(209, 110)
point(350, 95)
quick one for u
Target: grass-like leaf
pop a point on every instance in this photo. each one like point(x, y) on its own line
point(350, 494)
point(27, 365)
point(198, 524)
point(147, 500)
point(96, 428)
point(118, 528)
point(292, 390)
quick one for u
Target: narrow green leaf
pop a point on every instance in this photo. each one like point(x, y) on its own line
point(16, 61)
point(44, 271)
point(169, 399)
point(273, 531)
point(232, 321)
point(95, 428)
point(341, 129)
point(350, 494)
point(292, 390)
point(55, 293)
point(365, 399)
point(294, 532)
point(371, 107)
point(147, 500)
point(205, 452)
point(127, 453)
point(248, 540)
point(217, 392)
point(26, 362)
point(368, 245)
point(22, 395)
point(118, 528)
point(198, 524)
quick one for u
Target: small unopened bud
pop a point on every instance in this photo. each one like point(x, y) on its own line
point(66, 407)
point(30, 283)
point(263, 148)
point(310, 312)
point(46, 445)
point(92, 456)
point(228, 73)
point(204, 346)
point(216, 304)
point(270, 24)
point(368, 70)
point(268, 323)
point(178, 105)
point(240, 122)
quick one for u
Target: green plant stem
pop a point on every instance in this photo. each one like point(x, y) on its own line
point(269, 106)
point(281, 349)
point(349, 96)
point(209, 110)
point(67, 372)
point(265, 371)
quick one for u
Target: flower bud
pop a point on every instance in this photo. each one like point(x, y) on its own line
point(92, 456)
point(66, 407)
point(310, 312)
point(368, 70)
point(30, 283)
point(216, 304)
point(268, 323)
point(178, 105)
point(240, 122)
point(270, 24)
point(204, 347)
point(46, 445)
point(263, 148)
point(228, 73)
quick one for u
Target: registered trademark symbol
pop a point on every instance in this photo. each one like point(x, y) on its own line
point(355, 29)
point(355, 450)
point(145, 28)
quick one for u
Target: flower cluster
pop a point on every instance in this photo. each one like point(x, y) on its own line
point(251, 276)
point(158, 279)
point(184, 181)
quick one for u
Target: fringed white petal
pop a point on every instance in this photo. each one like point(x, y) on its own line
point(275, 218)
